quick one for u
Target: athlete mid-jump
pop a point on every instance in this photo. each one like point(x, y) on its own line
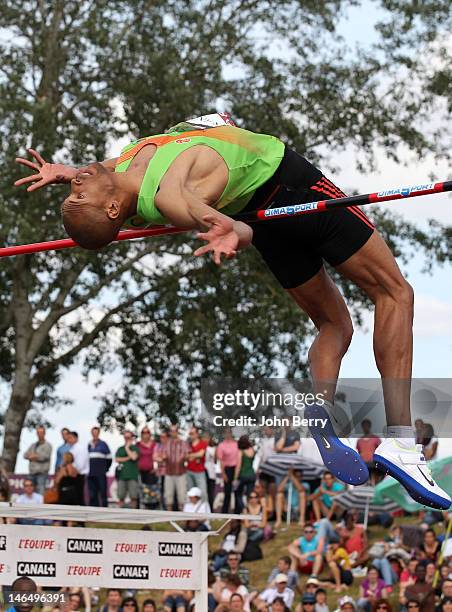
point(201, 177)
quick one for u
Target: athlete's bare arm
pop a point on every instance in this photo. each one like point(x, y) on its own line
point(183, 208)
point(48, 174)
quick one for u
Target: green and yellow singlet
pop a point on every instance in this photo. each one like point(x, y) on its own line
point(251, 160)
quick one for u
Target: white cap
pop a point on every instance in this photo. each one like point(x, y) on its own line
point(194, 492)
point(281, 578)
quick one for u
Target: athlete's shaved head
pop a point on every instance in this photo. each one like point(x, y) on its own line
point(92, 214)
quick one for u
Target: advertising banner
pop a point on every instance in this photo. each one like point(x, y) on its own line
point(66, 556)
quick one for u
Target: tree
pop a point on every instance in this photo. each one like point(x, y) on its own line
point(74, 77)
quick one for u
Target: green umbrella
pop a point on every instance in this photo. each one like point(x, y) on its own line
point(390, 488)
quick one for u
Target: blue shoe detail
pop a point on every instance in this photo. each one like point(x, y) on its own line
point(341, 460)
point(415, 489)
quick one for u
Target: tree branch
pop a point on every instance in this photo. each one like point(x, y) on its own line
point(59, 310)
point(88, 338)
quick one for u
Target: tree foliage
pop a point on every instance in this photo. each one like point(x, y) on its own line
point(77, 75)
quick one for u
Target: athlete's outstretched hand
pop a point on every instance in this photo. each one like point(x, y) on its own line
point(46, 173)
point(222, 238)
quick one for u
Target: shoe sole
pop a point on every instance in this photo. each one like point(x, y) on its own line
point(415, 489)
point(341, 460)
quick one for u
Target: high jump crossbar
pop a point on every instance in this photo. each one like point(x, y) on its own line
point(267, 214)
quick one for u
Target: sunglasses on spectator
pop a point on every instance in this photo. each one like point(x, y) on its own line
point(309, 531)
point(382, 607)
point(412, 605)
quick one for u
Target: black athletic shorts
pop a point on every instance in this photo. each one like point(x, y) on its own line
point(294, 249)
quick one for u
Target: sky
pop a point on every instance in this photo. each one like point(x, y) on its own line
point(433, 294)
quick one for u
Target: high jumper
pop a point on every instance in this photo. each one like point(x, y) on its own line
point(198, 177)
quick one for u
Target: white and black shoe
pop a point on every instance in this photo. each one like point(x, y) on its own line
point(407, 464)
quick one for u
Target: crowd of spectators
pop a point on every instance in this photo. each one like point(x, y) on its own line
point(331, 553)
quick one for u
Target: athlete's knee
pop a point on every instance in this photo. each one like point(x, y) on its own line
point(406, 296)
point(400, 294)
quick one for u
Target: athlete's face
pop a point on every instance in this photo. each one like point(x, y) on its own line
point(92, 213)
point(93, 185)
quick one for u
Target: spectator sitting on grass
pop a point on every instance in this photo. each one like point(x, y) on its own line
point(26, 586)
point(445, 605)
point(371, 589)
point(413, 605)
point(280, 589)
point(430, 547)
point(322, 499)
point(347, 604)
point(176, 600)
point(307, 603)
point(321, 604)
point(255, 528)
point(234, 542)
point(283, 567)
point(149, 606)
point(75, 602)
point(299, 494)
point(307, 552)
point(237, 603)
point(196, 504)
point(421, 590)
point(129, 604)
point(232, 585)
point(263, 490)
point(446, 590)
point(233, 567)
point(382, 605)
point(430, 569)
point(113, 603)
point(278, 605)
point(355, 539)
point(407, 577)
point(340, 566)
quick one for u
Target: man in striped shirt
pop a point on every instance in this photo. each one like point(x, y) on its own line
point(175, 452)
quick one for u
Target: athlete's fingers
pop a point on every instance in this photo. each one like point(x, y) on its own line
point(27, 162)
point(203, 236)
point(37, 156)
point(37, 185)
point(209, 218)
point(202, 250)
point(217, 257)
point(27, 179)
point(231, 254)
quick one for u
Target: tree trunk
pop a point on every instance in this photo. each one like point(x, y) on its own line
point(19, 404)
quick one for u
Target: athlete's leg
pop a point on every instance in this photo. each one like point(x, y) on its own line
point(323, 303)
point(374, 269)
